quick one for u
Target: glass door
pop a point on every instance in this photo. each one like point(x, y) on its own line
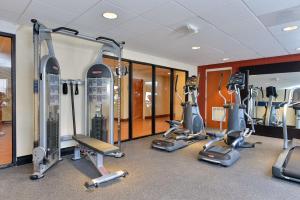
point(6, 116)
point(162, 99)
point(178, 92)
point(141, 100)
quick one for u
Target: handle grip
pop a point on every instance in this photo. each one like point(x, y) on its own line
point(111, 40)
point(285, 91)
point(76, 89)
point(262, 92)
point(65, 29)
point(176, 80)
point(220, 82)
point(33, 21)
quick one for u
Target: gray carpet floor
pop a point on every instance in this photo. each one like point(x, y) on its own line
point(158, 175)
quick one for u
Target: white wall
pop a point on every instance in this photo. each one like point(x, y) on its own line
point(7, 27)
point(133, 55)
point(74, 56)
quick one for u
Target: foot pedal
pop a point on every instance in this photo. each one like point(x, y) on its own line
point(90, 186)
point(36, 177)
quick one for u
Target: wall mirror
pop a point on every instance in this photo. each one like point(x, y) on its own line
point(269, 87)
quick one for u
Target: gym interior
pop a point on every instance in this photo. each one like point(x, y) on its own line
point(139, 99)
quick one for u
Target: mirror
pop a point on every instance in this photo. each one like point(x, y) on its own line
point(269, 92)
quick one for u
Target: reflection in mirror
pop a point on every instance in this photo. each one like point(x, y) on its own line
point(268, 94)
point(113, 63)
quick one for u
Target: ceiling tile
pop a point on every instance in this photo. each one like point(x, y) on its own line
point(93, 21)
point(278, 29)
point(11, 10)
point(8, 15)
point(236, 21)
point(206, 6)
point(45, 13)
point(168, 14)
point(290, 40)
point(78, 6)
point(137, 6)
point(260, 7)
point(16, 6)
point(210, 36)
point(281, 17)
point(133, 28)
point(255, 36)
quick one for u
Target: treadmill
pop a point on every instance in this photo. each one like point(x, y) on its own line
point(287, 165)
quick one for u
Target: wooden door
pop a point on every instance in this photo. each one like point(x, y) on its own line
point(213, 99)
point(137, 99)
point(6, 135)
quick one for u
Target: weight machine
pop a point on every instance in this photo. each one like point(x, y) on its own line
point(47, 92)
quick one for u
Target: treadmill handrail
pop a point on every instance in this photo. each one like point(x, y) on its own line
point(289, 103)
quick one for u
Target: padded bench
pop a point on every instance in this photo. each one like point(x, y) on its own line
point(95, 144)
point(96, 150)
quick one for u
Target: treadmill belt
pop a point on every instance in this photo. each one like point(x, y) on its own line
point(292, 165)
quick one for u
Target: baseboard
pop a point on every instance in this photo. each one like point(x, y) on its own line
point(22, 160)
point(67, 151)
point(275, 132)
point(158, 116)
point(7, 122)
point(122, 120)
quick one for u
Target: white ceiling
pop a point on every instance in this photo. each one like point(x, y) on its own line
point(237, 29)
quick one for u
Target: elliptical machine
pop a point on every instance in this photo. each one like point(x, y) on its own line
point(191, 128)
point(234, 136)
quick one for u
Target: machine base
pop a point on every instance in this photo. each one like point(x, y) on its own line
point(224, 156)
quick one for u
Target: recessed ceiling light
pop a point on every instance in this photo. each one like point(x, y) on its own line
point(110, 15)
point(195, 48)
point(225, 59)
point(298, 49)
point(290, 28)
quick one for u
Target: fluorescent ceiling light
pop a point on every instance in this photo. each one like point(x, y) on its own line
point(290, 28)
point(225, 59)
point(110, 15)
point(195, 48)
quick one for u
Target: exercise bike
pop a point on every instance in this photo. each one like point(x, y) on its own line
point(234, 137)
point(190, 129)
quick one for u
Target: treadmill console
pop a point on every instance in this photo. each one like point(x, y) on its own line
point(238, 80)
point(192, 82)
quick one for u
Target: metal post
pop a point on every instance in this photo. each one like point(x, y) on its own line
point(37, 52)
